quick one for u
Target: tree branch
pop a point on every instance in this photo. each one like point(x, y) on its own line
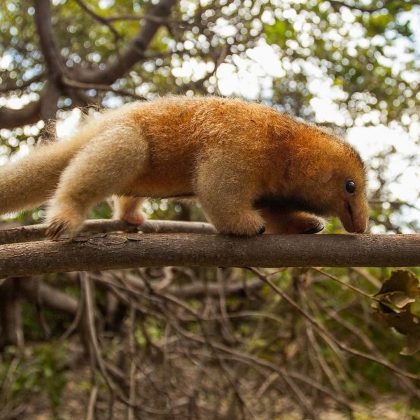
point(10, 315)
point(53, 60)
point(43, 21)
point(135, 51)
point(29, 114)
point(46, 107)
point(99, 18)
point(43, 108)
point(37, 232)
point(21, 84)
point(105, 88)
point(49, 102)
point(48, 296)
point(116, 251)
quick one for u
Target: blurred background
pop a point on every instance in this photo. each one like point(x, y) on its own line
point(170, 342)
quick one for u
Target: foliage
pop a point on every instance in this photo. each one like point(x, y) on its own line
point(39, 372)
point(354, 48)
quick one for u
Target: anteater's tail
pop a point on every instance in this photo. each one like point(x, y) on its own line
point(31, 181)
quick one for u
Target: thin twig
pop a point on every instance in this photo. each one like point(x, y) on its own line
point(380, 360)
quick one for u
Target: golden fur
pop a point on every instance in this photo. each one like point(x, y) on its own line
point(249, 166)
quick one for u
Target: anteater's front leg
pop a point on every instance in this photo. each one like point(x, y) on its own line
point(227, 195)
point(290, 222)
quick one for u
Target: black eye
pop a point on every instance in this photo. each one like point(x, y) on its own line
point(350, 187)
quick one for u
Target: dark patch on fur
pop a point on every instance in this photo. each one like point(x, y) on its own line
point(290, 203)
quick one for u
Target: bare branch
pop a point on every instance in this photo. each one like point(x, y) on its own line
point(44, 108)
point(48, 296)
point(78, 79)
point(198, 288)
point(327, 334)
point(37, 232)
point(134, 52)
point(43, 21)
point(100, 87)
point(21, 84)
point(103, 252)
point(155, 19)
point(29, 114)
point(49, 102)
point(100, 19)
point(53, 60)
point(10, 315)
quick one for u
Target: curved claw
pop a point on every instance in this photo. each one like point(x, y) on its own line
point(56, 229)
point(261, 230)
point(314, 229)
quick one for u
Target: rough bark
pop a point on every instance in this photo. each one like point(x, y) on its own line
point(116, 251)
point(37, 232)
point(29, 114)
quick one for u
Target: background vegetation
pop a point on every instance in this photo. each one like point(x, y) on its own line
point(213, 343)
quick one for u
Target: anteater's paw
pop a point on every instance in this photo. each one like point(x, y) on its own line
point(63, 221)
point(261, 230)
point(304, 223)
point(294, 222)
point(247, 224)
point(314, 225)
point(128, 209)
point(134, 218)
point(57, 228)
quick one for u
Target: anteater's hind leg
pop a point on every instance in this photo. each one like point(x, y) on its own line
point(129, 209)
point(108, 165)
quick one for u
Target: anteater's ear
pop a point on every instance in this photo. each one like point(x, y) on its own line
point(326, 177)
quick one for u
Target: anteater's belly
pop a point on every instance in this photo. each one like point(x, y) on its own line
point(169, 179)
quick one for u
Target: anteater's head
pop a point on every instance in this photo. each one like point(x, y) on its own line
point(345, 190)
point(330, 179)
point(339, 175)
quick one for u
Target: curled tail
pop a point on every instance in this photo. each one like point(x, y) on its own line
point(30, 181)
